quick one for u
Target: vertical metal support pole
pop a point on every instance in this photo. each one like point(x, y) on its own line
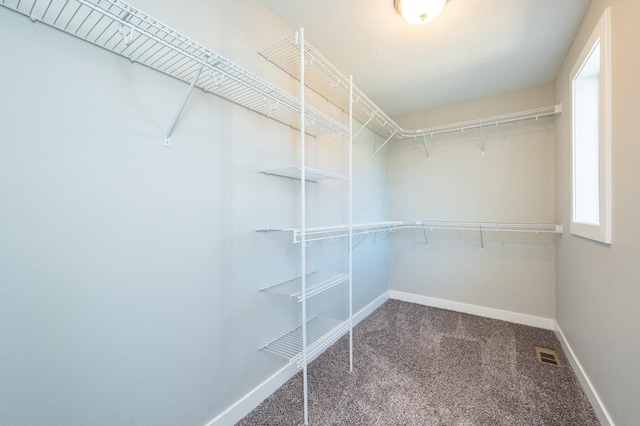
point(351, 223)
point(303, 230)
point(167, 136)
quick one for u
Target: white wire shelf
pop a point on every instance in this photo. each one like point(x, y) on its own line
point(536, 228)
point(324, 78)
point(496, 120)
point(332, 232)
point(480, 123)
point(311, 174)
point(321, 333)
point(118, 27)
point(482, 227)
point(315, 284)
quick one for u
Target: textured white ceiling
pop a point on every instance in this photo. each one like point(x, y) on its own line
point(475, 48)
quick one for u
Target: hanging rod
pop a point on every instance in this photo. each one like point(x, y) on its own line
point(325, 79)
point(120, 28)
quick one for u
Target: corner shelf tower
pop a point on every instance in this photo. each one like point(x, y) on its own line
point(315, 334)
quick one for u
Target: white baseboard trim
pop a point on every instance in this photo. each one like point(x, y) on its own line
point(540, 322)
point(368, 310)
point(587, 386)
point(247, 403)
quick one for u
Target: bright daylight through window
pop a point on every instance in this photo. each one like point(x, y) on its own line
point(591, 137)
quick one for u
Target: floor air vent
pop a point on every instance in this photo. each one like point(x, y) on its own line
point(547, 355)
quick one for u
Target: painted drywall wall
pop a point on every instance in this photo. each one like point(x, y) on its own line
point(597, 285)
point(129, 272)
point(512, 182)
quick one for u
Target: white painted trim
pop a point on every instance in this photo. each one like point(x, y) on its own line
point(247, 403)
point(587, 386)
point(368, 310)
point(540, 322)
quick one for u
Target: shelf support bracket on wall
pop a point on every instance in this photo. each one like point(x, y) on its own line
point(481, 238)
point(484, 139)
point(167, 136)
point(384, 234)
point(426, 238)
point(364, 126)
point(385, 142)
point(426, 147)
point(361, 240)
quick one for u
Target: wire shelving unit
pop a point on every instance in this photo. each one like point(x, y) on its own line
point(312, 337)
point(118, 27)
point(329, 82)
point(122, 29)
point(326, 80)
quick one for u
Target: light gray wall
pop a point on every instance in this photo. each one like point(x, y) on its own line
point(129, 271)
point(597, 285)
point(512, 182)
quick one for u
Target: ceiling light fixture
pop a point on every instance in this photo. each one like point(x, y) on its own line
point(418, 12)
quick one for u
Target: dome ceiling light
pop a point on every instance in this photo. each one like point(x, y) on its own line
point(418, 12)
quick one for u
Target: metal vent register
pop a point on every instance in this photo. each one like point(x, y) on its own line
point(547, 355)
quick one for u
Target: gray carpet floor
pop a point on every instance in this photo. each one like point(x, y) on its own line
point(415, 365)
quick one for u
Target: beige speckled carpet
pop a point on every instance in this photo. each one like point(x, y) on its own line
point(415, 365)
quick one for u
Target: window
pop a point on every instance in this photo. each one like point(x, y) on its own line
point(591, 136)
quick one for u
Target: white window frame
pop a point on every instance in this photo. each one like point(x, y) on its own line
point(596, 231)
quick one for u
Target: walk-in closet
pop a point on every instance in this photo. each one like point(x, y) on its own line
point(318, 212)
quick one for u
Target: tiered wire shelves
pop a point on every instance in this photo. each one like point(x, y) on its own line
point(312, 337)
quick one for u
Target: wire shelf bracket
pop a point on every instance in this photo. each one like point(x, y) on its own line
point(167, 136)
